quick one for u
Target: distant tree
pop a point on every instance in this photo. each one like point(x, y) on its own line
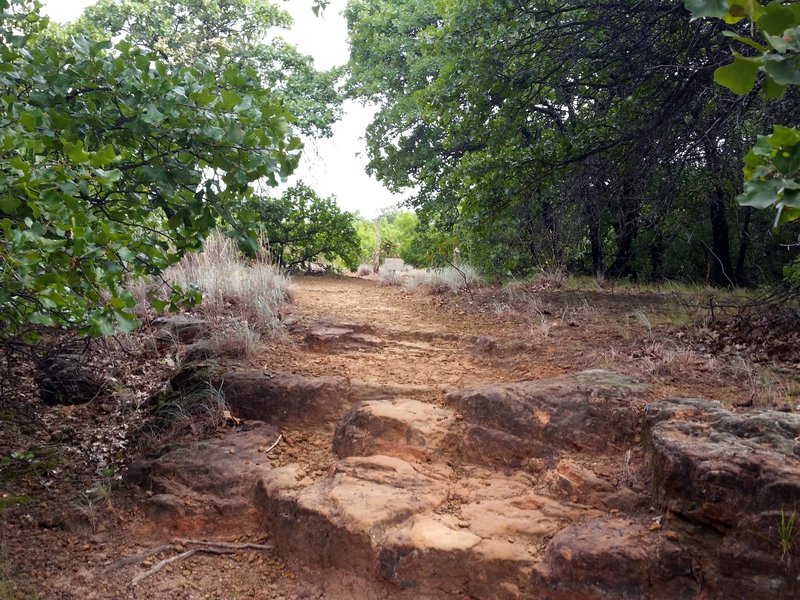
point(300, 227)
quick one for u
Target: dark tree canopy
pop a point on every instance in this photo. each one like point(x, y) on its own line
point(588, 135)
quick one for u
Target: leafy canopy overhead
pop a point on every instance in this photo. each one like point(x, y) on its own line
point(114, 164)
point(580, 134)
point(242, 33)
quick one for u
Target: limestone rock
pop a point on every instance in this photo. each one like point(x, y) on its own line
point(402, 427)
point(589, 410)
point(720, 465)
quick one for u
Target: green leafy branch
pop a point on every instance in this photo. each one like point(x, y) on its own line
point(771, 167)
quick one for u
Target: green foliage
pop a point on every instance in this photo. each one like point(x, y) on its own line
point(772, 167)
point(241, 32)
point(300, 227)
point(115, 163)
point(546, 136)
point(401, 236)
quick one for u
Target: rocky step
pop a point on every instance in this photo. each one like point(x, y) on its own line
point(714, 465)
point(478, 533)
point(322, 335)
point(417, 502)
point(417, 527)
point(290, 399)
point(205, 484)
point(519, 425)
point(593, 410)
point(332, 337)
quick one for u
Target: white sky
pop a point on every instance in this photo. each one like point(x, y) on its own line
point(333, 166)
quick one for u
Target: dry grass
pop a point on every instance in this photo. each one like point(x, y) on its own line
point(388, 278)
point(237, 340)
point(364, 270)
point(251, 290)
point(437, 281)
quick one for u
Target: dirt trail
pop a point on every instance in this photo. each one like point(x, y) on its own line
point(413, 338)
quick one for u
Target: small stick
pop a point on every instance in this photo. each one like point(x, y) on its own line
point(129, 560)
point(167, 561)
point(278, 441)
point(225, 545)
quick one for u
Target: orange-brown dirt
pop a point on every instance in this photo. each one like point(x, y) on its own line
point(57, 545)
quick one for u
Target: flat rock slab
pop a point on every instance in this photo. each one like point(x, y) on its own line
point(215, 475)
point(717, 466)
point(419, 527)
point(511, 423)
point(402, 427)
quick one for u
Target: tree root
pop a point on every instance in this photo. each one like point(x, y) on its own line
point(206, 547)
point(167, 561)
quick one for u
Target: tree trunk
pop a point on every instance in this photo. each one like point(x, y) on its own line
point(597, 247)
point(656, 256)
point(721, 269)
point(627, 232)
point(744, 240)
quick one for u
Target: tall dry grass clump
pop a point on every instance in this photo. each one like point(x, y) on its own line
point(251, 289)
point(437, 281)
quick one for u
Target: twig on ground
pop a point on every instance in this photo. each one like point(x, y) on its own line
point(205, 546)
point(130, 560)
point(183, 555)
point(225, 545)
